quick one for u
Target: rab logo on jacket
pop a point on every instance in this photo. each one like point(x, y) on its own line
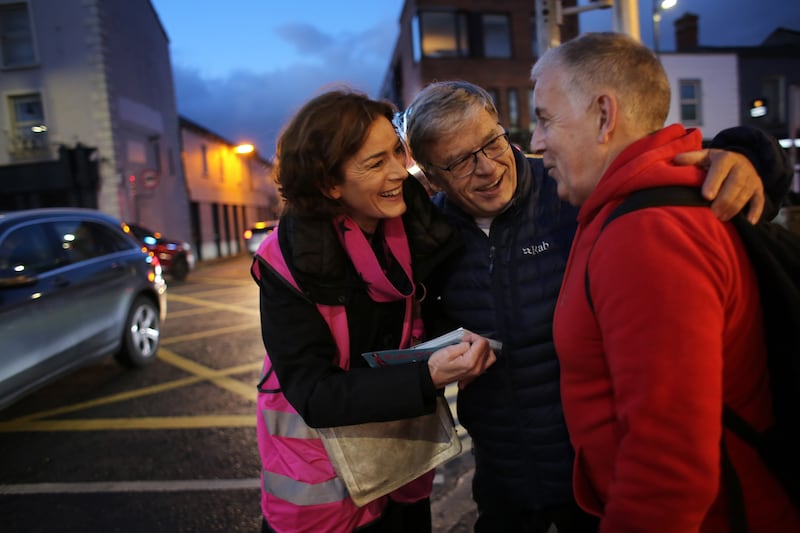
point(536, 249)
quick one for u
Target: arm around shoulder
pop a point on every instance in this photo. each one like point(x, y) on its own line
point(765, 154)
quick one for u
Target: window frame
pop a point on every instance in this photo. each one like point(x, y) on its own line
point(508, 51)
point(13, 38)
point(512, 94)
point(533, 120)
point(458, 34)
point(695, 102)
point(204, 159)
point(24, 140)
point(773, 90)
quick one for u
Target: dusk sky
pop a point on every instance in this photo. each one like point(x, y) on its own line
point(243, 70)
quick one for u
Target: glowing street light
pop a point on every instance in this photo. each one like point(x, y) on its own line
point(658, 7)
point(245, 148)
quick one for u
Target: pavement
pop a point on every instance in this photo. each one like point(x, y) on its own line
point(452, 508)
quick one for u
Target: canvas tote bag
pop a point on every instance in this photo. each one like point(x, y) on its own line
point(377, 458)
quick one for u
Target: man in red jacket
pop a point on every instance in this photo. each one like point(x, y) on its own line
point(676, 328)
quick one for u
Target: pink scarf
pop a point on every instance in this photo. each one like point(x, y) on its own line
point(356, 245)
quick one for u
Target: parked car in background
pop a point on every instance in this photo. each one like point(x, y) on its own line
point(176, 257)
point(257, 233)
point(73, 287)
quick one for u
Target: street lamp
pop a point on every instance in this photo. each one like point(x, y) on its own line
point(245, 148)
point(658, 7)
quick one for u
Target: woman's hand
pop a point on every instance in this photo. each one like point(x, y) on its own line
point(462, 362)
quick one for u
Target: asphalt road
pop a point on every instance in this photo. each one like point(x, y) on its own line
point(168, 448)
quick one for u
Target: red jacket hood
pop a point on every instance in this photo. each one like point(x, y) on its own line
point(640, 166)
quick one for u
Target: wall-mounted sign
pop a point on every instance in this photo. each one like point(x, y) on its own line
point(149, 178)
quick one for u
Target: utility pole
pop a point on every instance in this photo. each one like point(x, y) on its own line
point(626, 18)
point(550, 15)
point(548, 19)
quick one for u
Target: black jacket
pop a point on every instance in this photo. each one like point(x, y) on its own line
point(300, 344)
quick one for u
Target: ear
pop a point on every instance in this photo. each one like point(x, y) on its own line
point(607, 111)
point(334, 192)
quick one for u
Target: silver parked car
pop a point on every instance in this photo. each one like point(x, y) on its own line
point(257, 233)
point(73, 287)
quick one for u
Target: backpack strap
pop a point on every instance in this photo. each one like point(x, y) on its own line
point(737, 517)
point(673, 195)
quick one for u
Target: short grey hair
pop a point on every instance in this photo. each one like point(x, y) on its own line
point(606, 60)
point(442, 108)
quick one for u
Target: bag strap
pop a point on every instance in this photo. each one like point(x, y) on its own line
point(737, 515)
point(673, 195)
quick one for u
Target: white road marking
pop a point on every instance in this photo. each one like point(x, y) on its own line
point(130, 486)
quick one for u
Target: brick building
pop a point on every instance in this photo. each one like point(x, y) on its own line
point(492, 43)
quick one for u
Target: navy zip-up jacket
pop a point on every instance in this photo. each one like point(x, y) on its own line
point(505, 286)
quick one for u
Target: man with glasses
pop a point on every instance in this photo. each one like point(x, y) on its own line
point(466, 166)
point(504, 286)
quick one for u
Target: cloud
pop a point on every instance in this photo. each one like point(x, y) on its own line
point(251, 105)
point(305, 37)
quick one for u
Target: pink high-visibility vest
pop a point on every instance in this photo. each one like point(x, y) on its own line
point(300, 491)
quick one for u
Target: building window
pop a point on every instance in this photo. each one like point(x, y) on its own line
point(416, 39)
point(28, 137)
point(689, 91)
point(442, 34)
point(157, 156)
point(495, 94)
point(204, 156)
point(16, 39)
point(531, 112)
point(513, 109)
point(773, 93)
point(438, 34)
point(496, 36)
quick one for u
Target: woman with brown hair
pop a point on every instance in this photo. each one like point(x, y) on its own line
point(343, 275)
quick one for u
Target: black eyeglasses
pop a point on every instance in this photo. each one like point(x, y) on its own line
point(466, 165)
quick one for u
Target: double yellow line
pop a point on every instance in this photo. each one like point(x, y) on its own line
point(43, 420)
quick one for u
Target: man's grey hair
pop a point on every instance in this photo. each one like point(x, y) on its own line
point(594, 62)
point(440, 109)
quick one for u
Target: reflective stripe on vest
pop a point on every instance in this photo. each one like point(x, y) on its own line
point(300, 493)
point(285, 424)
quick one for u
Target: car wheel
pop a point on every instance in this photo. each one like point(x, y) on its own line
point(180, 268)
point(141, 334)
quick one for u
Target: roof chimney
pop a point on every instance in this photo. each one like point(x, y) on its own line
point(686, 32)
